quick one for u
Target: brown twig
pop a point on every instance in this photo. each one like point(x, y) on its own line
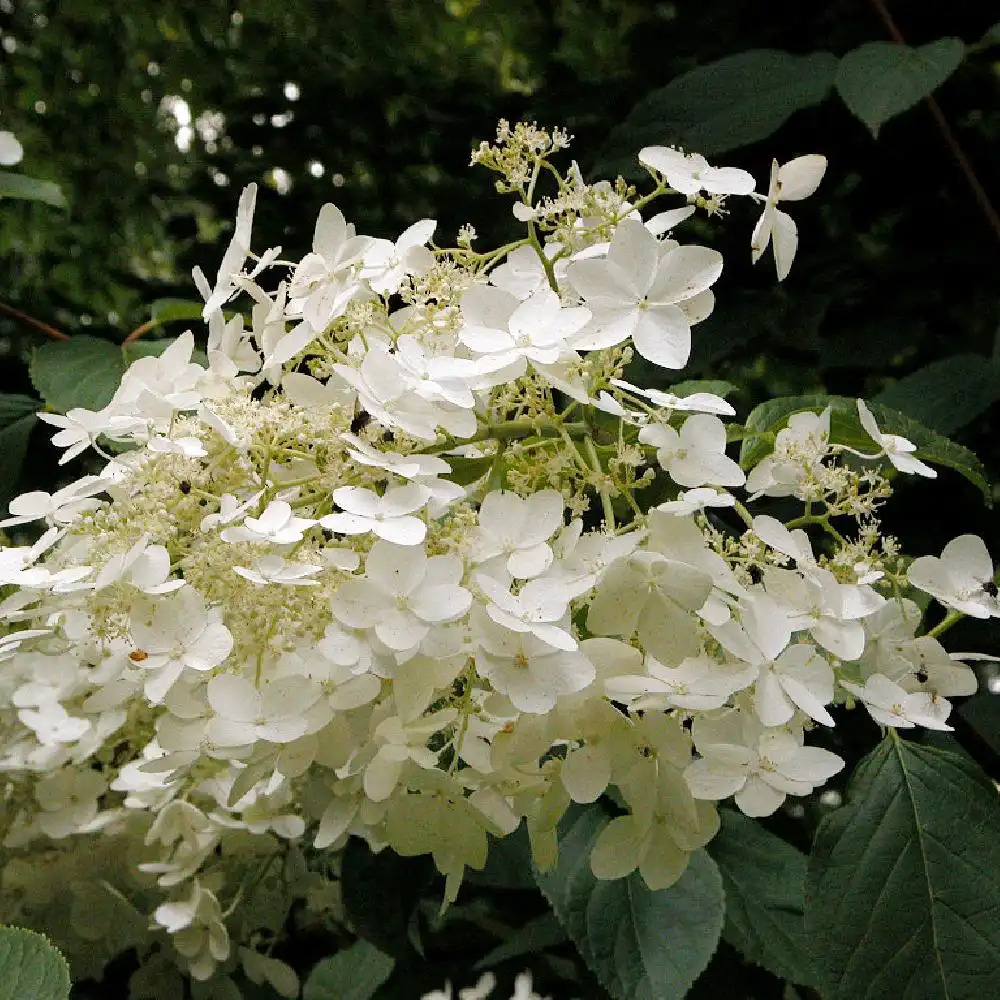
point(49, 331)
point(142, 328)
point(978, 191)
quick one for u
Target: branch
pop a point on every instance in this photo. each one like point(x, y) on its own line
point(49, 331)
point(951, 141)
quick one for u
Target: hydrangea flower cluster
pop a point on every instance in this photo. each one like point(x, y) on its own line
point(381, 563)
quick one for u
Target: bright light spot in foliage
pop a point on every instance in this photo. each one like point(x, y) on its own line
point(292, 91)
point(280, 179)
point(316, 168)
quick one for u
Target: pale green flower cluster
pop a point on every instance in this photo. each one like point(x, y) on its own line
point(382, 564)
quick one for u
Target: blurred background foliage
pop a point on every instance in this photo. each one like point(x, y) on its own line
point(151, 117)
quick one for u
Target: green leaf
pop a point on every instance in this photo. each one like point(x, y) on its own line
point(352, 974)
point(30, 968)
point(533, 938)
point(468, 470)
point(723, 105)
point(14, 437)
point(508, 863)
point(947, 394)
point(13, 407)
point(903, 886)
point(879, 80)
point(82, 371)
point(764, 878)
point(381, 892)
point(693, 385)
point(991, 38)
point(641, 945)
point(170, 310)
point(767, 419)
point(30, 189)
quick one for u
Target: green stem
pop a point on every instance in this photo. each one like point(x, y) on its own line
point(946, 623)
point(595, 461)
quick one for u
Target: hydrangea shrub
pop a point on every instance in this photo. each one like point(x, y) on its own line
point(408, 556)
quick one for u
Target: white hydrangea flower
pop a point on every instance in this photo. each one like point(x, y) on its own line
point(518, 529)
point(648, 291)
point(177, 632)
point(962, 578)
point(891, 705)
point(277, 524)
point(690, 173)
point(759, 767)
point(696, 455)
point(895, 448)
point(795, 180)
point(402, 595)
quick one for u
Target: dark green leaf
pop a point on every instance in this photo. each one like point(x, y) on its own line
point(641, 945)
point(947, 394)
point(903, 887)
point(693, 385)
point(991, 38)
point(381, 892)
point(721, 106)
point(468, 470)
point(508, 864)
point(14, 439)
point(82, 371)
point(879, 80)
point(532, 939)
point(30, 968)
point(845, 428)
point(352, 974)
point(169, 310)
point(30, 189)
point(764, 878)
point(13, 407)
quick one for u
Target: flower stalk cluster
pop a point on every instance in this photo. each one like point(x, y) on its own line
point(381, 564)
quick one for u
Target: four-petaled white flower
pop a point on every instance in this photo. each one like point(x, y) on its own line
point(796, 180)
point(895, 448)
point(891, 705)
point(277, 525)
point(962, 578)
point(757, 766)
point(390, 516)
point(690, 173)
point(650, 291)
point(518, 530)
point(696, 455)
point(402, 595)
point(177, 631)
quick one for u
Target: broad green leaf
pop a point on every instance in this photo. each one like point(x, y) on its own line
point(764, 878)
point(767, 419)
point(532, 939)
point(170, 310)
point(508, 863)
point(991, 38)
point(879, 80)
point(30, 967)
point(641, 945)
point(14, 437)
point(30, 189)
point(947, 394)
point(693, 385)
point(13, 407)
point(352, 974)
point(468, 470)
point(723, 105)
point(83, 371)
point(903, 888)
point(381, 892)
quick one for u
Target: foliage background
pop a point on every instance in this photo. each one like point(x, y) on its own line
point(375, 104)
